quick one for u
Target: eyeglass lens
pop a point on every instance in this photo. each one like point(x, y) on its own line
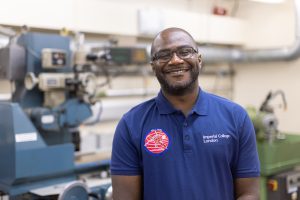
point(182, 52)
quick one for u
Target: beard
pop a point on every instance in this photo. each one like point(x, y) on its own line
point(179, 89)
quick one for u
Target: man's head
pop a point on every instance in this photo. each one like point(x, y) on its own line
point(175, 61)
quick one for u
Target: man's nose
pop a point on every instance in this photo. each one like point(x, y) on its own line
point(175, 59)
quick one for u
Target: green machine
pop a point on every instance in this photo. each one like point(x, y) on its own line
point(279, 154)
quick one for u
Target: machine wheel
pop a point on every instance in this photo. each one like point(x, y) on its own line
point(74, 191)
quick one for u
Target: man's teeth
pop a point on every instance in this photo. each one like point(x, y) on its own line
point(178, 72)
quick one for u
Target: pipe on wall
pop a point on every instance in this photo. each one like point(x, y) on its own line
point(213, 55)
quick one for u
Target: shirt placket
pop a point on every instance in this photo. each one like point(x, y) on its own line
point(187, 136)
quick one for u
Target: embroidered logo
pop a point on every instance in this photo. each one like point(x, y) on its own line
point(156, 141)
point(215, 138)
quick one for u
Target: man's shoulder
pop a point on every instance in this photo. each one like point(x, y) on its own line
point(223, 102)
point(140, 109)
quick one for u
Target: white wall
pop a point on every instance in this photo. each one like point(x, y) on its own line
point(270, 26)
point(122, 17)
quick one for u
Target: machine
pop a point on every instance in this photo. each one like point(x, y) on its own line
point(279, 153)
point(54, 90)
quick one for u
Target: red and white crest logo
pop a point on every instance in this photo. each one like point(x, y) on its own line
point(156, 141)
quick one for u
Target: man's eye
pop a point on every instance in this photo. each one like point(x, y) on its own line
point(163, 55)
point(184, 52)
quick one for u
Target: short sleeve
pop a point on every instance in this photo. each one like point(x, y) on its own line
point(125, 157)
point(248, 161)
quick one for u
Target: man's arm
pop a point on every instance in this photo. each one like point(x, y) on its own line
point(127, 187)
point(247, 188)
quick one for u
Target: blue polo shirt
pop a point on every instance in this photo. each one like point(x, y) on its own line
point(186, 158)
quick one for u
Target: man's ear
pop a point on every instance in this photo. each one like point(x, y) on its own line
point(152, 66)
point(200, 61)
point(200, 58)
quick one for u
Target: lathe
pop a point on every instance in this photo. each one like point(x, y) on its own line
point(54, 90)
point(279, 153)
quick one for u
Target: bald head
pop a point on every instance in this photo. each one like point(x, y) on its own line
point(171, 36)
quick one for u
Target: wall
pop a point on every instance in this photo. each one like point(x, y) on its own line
point(270, 26)
point(124, 17)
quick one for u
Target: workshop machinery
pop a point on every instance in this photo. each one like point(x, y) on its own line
point(53, 91)
point(279, 153)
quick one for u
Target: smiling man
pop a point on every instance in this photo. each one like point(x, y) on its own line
point(184, 144)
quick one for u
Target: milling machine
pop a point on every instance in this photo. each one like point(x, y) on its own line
point(39, 133)
point(279, 153)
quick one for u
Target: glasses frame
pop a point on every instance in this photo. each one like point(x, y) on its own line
point(155, 59)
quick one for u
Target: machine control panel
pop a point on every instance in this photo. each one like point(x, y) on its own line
point(293, 182)
point(53, 58)
point(287, 186)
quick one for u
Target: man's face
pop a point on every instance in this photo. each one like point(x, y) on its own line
point(178, 74)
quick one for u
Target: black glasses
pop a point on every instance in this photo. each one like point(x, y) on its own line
point(166, 55)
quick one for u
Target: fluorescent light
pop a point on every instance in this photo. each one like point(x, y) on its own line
point(269, 1)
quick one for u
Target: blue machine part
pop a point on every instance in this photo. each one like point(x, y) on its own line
point(33, 44)
point(69, 114)
point(26, 161)
point(74, 112)
point(45, 119)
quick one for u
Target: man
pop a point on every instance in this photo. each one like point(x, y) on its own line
point(185, 144)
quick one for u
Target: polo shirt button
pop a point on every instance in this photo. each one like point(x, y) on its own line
point(187, 137)
point(184, 124)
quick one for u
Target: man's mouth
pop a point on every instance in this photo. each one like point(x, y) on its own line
point(176, 71)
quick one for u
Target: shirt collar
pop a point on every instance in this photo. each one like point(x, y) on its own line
point(165, 107)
